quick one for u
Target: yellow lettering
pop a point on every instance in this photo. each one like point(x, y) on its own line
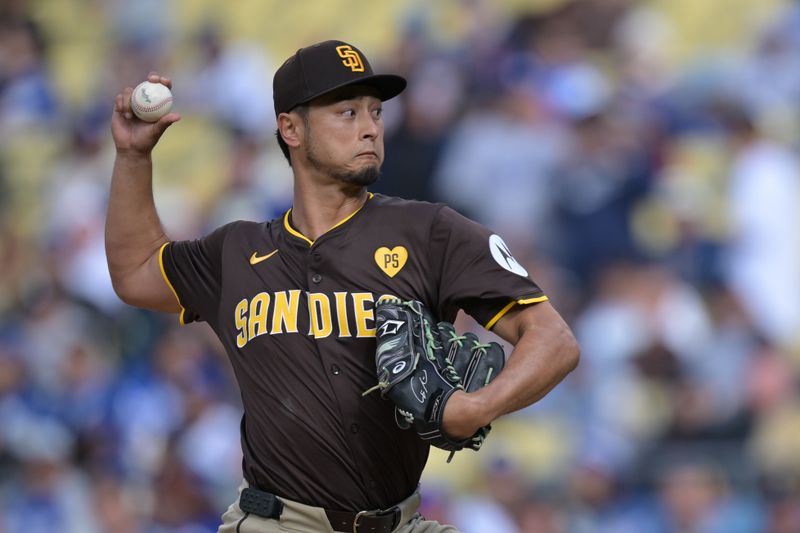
point(241, 323)
point(319, 309)
point(341, 313)
point(252, 317)
point(284, 312)
point(365, 318)
point(258, 315)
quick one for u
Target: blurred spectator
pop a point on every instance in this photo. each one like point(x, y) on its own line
point(764, 200)
point(497, 165)
point(258, 183)
point(593, 191)
point(46, 494)
point(541, 515)
point(145, 25)
point(12, 269)
point(602, 502)
point(495, 505)
point(695, 496)
point(76, 208)
point(232, 83)
point(116, 506)
point(771, 388)
point(774, 58)
point(552, 58)
point(432, 101)
point(27, 97)
point(182, 507)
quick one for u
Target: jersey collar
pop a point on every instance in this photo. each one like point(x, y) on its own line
point(287, 225)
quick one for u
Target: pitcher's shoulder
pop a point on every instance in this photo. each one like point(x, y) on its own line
point(393, 205)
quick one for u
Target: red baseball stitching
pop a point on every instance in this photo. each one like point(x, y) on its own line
point(140, 107)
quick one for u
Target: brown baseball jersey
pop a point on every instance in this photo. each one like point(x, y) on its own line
point(296, 318)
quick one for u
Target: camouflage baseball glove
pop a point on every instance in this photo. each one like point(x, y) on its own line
point(420, 364)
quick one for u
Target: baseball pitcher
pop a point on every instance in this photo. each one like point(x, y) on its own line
point(337, 316)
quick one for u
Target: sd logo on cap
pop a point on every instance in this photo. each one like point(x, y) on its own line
point(317, 69)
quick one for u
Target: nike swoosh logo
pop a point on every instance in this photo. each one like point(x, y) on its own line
point(255, 259)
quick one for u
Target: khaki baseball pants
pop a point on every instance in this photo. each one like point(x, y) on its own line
point(300, 518)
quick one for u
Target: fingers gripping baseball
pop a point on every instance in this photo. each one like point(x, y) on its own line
point(132, 134)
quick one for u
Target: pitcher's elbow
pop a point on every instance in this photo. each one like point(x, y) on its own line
point(571, 350)
point(119, 289)
point(123, 289)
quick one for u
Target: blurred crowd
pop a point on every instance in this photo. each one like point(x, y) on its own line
point(654, 195)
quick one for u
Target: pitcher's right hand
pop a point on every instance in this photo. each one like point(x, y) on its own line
point(131, 135)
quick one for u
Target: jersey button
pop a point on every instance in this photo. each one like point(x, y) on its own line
point(335, 370)
point(316, 278)
point(354, 428)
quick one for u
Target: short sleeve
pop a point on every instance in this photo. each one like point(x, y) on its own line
point(193, 270)
point(476, 271)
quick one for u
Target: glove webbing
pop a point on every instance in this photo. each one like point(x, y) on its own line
point(480, 350)
point(433, 344)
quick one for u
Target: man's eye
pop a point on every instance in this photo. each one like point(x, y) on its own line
point(348, 113)
point(378, 112)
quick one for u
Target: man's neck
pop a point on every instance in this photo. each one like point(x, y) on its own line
point(318, 208)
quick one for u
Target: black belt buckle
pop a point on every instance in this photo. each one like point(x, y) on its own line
point(260, 503)
point(356, 519)
point(394, 513)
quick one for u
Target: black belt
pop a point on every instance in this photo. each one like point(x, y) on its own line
point(268, 505)
point(363, 521)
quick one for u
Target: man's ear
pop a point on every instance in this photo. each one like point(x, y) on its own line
point(291, 127)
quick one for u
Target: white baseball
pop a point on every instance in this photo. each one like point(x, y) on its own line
point(151, 101)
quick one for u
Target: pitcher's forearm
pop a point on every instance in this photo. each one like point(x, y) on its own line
point(536, 365)
point(133, 229)
point(545, 351)
point(534, 368)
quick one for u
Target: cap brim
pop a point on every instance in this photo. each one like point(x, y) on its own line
point(387, 85)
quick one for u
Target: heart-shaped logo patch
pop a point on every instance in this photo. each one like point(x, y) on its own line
point(391, 261)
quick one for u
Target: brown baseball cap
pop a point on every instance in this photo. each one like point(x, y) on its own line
point(323, 67)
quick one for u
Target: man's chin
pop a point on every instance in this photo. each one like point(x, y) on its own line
point(362, 177)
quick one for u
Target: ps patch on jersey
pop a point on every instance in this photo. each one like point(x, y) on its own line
point(391, 261)
point(502, 255)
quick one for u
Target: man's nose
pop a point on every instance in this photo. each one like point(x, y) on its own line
point(369, 126)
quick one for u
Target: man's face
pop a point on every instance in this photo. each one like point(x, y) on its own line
point(343, 135)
